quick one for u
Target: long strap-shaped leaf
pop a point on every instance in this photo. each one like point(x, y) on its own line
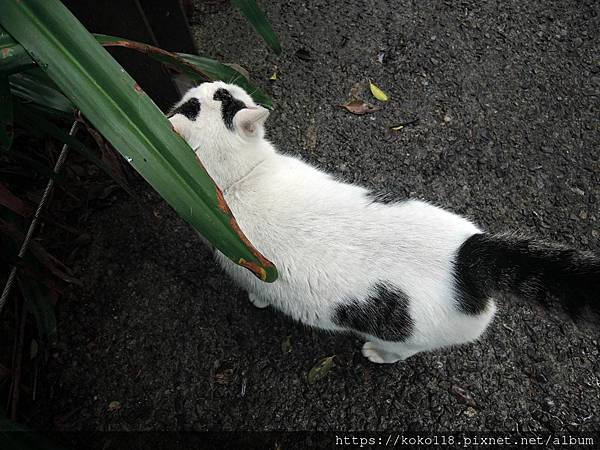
point(6, 114)
point(33, 86)
point(13, 57)
point(195, 67)
point(259, 21)
point(28, 117)
point(125, 115)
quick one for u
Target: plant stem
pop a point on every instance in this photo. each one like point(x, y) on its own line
point(32, 226)
point(16, 386)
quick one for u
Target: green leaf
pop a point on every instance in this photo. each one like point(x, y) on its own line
point(33, 120)
point(218, 71)
point(378, 92)
point(6, 115)
point(36, 88)
point(259, 21)
point(13, 57)
point(118, 108)
point(197, 68)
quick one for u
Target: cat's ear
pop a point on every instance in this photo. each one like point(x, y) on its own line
point(249, 121)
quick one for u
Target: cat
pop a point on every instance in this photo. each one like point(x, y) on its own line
point(406, 276)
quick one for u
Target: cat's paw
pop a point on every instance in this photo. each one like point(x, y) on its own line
point(377, 355)
point(257, 301)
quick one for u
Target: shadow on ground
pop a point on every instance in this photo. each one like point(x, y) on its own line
point(507, 101)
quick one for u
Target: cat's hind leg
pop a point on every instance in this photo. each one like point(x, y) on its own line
point(386, 353)
point(257, 300)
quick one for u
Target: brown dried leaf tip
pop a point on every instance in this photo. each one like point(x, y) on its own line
point(359, 107)
point(463, 395)
point(224, 376)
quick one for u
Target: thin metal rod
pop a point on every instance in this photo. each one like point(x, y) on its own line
point(36, 217)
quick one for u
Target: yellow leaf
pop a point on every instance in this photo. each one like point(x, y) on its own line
point(320, 369)
point(378, 93)
point(273, 77)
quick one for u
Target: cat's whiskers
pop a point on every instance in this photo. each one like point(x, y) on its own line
point(233, 80)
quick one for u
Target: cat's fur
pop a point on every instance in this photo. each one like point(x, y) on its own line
point(407, 276)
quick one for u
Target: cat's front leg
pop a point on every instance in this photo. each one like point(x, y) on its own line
point(257, 301)
point(385, 354)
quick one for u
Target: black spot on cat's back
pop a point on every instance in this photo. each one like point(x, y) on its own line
point(383, 314)
point(229, 106)
point(189, 109)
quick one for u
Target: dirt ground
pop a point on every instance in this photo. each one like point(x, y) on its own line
point(506, 97)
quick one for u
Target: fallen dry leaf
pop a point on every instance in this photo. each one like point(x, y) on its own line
point(470, 412)
point(286, 345)
point(359, 107)
point(304, 54)
point(320, 369)
point(378, 93)
point(224, 377)
point(463, 395)
point(273, 77)
point(114, 406)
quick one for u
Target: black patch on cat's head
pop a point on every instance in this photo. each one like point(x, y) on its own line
point(383, 314)
point(229, 106)
point(189, 109)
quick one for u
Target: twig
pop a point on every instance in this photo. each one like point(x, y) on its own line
point(59, 163)
point(35, 379)
point(16, 386)
point(13, 361)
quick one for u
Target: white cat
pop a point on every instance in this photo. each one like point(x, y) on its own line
point(407, 276)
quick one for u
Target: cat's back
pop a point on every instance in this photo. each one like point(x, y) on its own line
point(290, 192)
point(331, 240)
point(299, 203)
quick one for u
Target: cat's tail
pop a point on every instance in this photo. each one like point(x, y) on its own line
point(487, 264)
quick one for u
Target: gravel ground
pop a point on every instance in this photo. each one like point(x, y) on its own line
point(506, 97)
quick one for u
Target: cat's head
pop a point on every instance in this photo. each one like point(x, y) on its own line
point(224, 126)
